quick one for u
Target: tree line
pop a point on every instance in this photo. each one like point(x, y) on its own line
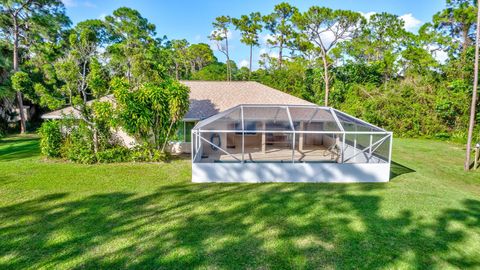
point(83, 67)
point(416, 84)
point(370, 66)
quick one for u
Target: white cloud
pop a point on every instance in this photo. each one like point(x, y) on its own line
point(411, 23)
point(270, 53)
point(244, 63)
point(441, 56)
point(265, 38)
point(89, 4)
point(74, 3)
point(327, 38)
point(69, 3)
point(437, 52)
point(214, 44)
point(229, 34)
point(101, 50)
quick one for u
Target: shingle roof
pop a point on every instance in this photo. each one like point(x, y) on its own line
point(70, 111)
point(208, 98)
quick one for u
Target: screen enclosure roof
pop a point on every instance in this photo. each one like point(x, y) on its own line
point(285, 118)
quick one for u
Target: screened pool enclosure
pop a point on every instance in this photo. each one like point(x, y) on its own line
point(289, 143)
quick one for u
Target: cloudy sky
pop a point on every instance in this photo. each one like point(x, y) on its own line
point(192, 19)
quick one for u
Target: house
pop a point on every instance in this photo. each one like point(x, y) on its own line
point(289, 143)
point(207, 98)
point(249, 132)
point(14, 115)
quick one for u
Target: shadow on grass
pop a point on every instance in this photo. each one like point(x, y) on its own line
point(397, 169)
point(184, 226)
point(16, 148)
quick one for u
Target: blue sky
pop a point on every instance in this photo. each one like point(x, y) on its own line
point(192, 20)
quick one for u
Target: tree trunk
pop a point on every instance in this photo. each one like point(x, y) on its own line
point(466, 39)
point(95, 140)
point(326, 79)
point(229, 71)
point(83, 85)
point(176, 71)
point(156, 134)
point(474, 95)
point(168, 135)
point(250, 69)
point(280, 54)
point(465, 45)
point(385, 79)
point(185, 66)
point(23, 126)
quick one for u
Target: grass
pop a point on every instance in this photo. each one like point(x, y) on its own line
point(150, 216)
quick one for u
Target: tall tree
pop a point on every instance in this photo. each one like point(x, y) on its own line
point(281, 28)
point(380, 41)
point(473, 105)
point(220, 35)
point(381, 34)
point(149, 112)
point(180, 56)
point(50, 62)
point(416, 57)
point(24, 22)
point(132, 48)
point(433, 40)
point(200, 55)
point(458, 21)
point(324, 28)
point(7, 95)
point(250, 26)
point(83, 76)
point(178, 104)
point(216, 71)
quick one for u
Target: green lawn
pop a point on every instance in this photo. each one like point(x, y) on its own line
point(61, 215)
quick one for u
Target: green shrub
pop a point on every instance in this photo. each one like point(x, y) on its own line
point(159, 156)
point(146, 154)
point(3, 128)
point(116, 154)
point(51, 138)
point(442, 136)
point(78, 146)
point(74, 151)
point(413, 107)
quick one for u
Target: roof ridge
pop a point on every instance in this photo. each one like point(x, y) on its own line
point(215, 81)
point(210, 97)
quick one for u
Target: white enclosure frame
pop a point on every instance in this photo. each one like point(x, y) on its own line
point(371, 168)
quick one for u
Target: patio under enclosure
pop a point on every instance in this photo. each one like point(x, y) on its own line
point(289, 143)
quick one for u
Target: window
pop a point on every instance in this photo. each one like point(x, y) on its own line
point(188, 131)
point(184, 132)
point(181, 132)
